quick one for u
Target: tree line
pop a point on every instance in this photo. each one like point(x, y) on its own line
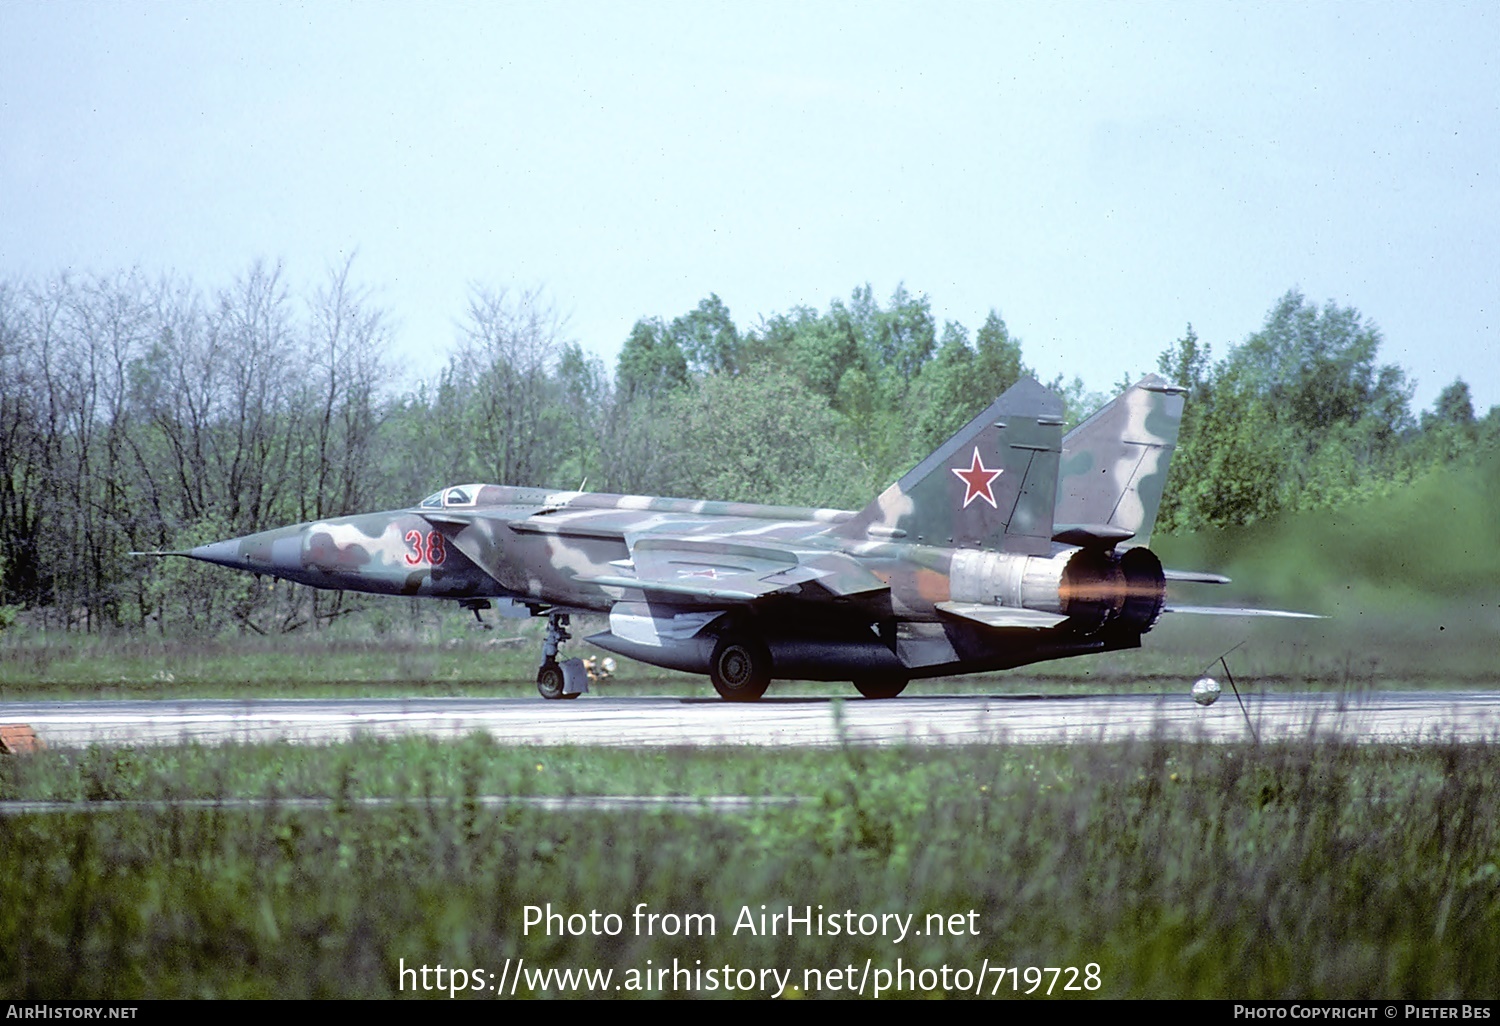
point(141, 414)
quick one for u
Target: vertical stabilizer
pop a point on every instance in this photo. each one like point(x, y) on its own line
point(1114, 465)
point(991, 486)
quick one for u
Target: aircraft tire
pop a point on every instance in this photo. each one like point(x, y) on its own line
point(549, 682)
point(740, 669)
point(880, 687)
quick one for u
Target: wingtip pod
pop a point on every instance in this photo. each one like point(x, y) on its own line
point(992, 485)
point(1114, 465)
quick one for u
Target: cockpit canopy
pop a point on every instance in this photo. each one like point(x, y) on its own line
point(454, 496)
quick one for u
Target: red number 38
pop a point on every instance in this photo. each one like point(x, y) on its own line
point(431, 550)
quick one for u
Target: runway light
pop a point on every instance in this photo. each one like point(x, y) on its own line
point(1206, 691)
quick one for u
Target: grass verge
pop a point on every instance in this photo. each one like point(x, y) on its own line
point(1298, 870)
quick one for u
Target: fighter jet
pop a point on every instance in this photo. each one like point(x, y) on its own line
point(1008, 545)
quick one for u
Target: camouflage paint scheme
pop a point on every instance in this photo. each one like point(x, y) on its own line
point(1008, 545)
point(1114, 465)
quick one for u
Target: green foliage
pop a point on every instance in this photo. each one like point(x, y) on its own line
point(815, 348)
point(1187, 362)
point(497, 407)
point(1078, 401)
point(707, 337)
point(652, 362)
point(584, 400)
point(901, 338)
point(8, 613)
point(1450, 432)
point(1454, 406)
point(1435, 537)
point(1317, 368)
point(135, 410)
point(757, 438)
point(1301, 417)
point(190, 595)
point(1233, 462)
point(963, 379)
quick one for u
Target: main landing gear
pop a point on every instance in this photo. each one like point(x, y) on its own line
point(880, 687)
point(740, 668)
point(550, 680)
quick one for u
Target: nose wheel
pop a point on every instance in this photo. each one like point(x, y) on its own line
point(550, 680)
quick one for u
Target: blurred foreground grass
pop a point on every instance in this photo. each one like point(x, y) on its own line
point(1296, 870)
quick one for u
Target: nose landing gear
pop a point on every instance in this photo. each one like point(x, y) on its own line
point(552, 677)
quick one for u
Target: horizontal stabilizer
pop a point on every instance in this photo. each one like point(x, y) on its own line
point(1090, 535)
point(1001, 616)
point(1232, 611)
point(1194, 577)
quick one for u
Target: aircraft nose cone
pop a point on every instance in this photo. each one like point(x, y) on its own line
point(224, 553)
point(267, 552)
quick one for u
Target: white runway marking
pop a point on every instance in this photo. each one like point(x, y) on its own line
point(723, 803)
point(1373, 716)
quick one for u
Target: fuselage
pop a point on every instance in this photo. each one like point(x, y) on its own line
point(546, 547)
point(852, 605)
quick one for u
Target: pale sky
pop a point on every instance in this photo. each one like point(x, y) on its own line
point(1101, 174)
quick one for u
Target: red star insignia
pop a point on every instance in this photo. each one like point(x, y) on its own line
point(978, 481)
point(710, 573)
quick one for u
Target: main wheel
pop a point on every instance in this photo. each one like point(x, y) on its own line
point(880, 687)
point(549, 681)
point(740, 669)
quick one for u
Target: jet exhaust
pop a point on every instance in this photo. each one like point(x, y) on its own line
point(1090, 586)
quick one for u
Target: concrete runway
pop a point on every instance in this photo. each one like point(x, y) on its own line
point(1373, 717)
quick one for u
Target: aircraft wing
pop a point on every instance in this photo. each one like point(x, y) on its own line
point(727, 570)
point(714, 569)
point(709, 569)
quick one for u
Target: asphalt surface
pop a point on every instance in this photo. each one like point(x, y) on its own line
point(1373, 717)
